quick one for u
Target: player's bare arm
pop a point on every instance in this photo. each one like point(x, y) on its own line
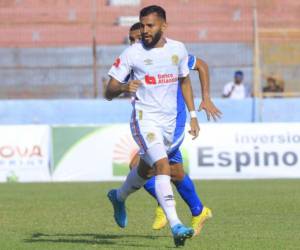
point(206, 104)
point(114, 88)
point(187, 92)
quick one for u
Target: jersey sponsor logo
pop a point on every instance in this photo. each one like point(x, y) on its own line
point(150, 80)
point(148, 62)
point(161, 79)
point(175, 60)
point(117, 62)
point(167, 78)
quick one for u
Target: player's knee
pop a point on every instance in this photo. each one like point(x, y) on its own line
point(162, 167)
point(177, 172)
point(144, 170)
point(179, 176)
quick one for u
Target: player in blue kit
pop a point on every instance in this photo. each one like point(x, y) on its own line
point(182, 181)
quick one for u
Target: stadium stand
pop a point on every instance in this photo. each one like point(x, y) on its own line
point(46, 46)
point(68, 23)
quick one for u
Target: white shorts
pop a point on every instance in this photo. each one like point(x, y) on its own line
point(155, 141)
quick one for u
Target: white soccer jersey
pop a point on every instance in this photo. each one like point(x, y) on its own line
point(159, 98)
point(159, 116)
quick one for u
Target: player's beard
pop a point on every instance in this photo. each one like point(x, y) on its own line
point(154, 41)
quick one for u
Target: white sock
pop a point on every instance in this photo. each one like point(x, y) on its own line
point(165, 197)
point(132, 183)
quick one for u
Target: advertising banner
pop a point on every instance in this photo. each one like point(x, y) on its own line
point(92, 153)
point(236, 151)
point(222, 151)
point(24, 153)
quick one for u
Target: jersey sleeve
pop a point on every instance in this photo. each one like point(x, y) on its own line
point(192, 62)
point(183, 63)
point(121, 67)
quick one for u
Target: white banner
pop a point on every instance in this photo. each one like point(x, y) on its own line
point(234, 151)
point(261, 150)
point(24, 153)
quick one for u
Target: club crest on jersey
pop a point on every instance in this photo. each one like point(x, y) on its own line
point(140, 114)
point(148, 61)
point(117, 62)
point(150, 137)
point(175, 59)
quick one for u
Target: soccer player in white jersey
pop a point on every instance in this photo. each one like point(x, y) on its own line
point(160, 75)
point(180, 179)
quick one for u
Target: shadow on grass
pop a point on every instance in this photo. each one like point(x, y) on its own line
point(94, 239)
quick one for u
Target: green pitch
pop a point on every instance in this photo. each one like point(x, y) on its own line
point(258, 215)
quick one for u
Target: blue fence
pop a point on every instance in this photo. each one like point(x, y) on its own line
point(118, 111)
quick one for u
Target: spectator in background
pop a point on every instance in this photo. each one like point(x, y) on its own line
point(236, 89)
point(273, 84)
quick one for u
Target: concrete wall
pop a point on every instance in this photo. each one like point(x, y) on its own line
point(68, 73)
point(46, 73)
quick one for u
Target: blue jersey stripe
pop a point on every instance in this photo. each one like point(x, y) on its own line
point(181, 116)
point(192, 62)
point(181, 111)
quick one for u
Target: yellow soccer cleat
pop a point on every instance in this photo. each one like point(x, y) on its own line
point(198, 221)
point(160, 219)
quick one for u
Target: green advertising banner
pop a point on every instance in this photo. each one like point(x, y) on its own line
point(92, 153)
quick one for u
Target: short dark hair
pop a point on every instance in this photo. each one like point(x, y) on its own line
point(238, 73)
point(136, 26)
point(153, 9)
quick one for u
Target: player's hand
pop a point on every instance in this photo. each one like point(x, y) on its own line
point(132, 86)
point(194, 131)
point(210, 109)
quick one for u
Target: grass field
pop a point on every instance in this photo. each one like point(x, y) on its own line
point(262, 214)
